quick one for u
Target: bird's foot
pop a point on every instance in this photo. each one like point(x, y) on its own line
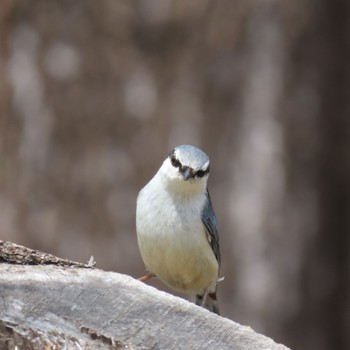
point(147, 277)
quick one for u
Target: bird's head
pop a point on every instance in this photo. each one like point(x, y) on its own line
point(186, 167)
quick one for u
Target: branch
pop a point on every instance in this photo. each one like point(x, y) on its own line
point(64, 304)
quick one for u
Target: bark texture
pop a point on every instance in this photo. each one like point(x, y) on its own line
point(62, 304)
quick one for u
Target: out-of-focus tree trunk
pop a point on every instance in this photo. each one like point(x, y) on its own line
point(93, 95)
point(323, 54)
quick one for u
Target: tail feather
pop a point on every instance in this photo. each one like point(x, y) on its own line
point(208, 301)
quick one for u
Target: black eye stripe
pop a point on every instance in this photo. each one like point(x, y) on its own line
point(175, 162)
point(201, 173)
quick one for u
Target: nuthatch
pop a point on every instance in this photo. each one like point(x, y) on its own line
point(176, 227)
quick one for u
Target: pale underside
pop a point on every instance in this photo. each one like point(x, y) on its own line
point(174, 247)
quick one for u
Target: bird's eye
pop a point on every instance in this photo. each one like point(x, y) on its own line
point(175, 162)
point(200, 173)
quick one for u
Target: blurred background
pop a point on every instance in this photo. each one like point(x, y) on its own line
point(94, 95)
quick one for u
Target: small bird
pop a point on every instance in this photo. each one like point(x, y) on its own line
point(177, 227)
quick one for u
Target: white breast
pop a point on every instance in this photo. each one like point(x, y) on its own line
point(172, 239)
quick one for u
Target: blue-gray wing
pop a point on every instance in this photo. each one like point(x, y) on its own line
point(210, 223)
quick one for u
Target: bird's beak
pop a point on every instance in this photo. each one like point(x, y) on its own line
point(186, 174)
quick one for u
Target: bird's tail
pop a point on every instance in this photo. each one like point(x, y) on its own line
point(209, 301)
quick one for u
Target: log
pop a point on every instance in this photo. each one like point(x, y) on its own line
point(52, 303)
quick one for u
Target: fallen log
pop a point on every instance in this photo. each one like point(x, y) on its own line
point(52, 303)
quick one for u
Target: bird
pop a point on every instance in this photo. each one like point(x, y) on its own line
point(176, 227)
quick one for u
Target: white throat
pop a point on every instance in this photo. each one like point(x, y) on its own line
point(173, 181)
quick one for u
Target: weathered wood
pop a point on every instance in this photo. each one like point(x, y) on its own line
point(93, 309)
point(17, 254)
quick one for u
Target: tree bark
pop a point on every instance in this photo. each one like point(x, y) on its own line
point(62, 303)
